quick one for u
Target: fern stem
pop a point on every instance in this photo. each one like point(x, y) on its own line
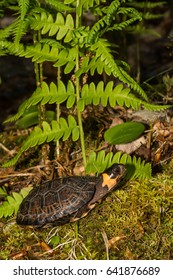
point(38, 67)
point(41, 108)
point(78, 22)
point(58, 112)
point(138, 75)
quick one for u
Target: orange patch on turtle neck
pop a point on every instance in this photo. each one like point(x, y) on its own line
point(107, 181)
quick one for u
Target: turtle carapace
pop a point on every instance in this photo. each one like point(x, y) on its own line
point(67, 199)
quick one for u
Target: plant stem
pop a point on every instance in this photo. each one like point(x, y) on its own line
point(78, 22)
point(38, 67)
point(58, 112)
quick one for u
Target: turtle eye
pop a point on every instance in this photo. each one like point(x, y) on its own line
point(116, 170)
point(113, 175)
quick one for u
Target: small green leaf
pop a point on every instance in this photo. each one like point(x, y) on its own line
point(70, 101)
point(124, 133)
point(68, 1)
point(3, 191)
point(67, 134)
point(61, 33)
point(69, 36)
point(25, 191)
point(55, 240)
point(69, 67)
point(70, 21)
point(75, 133)
point(81, 105)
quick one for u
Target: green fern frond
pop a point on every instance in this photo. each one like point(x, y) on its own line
point(70, 2)
point(59, 6)
point(102, 25)
point(136, 168)
point(111, 11)
point(23, 5)
point(104, 60)
point(38, 52)
point(43, 52)
point(122, 25)
point(66, 57)
point(11, 48)
point(114, 95)
point(20, 30)
point(155, 107)
point(147, 4)
point(12, 202)
point(62, 27)
point(87, 4)
point(47, 95)
point(134, 16)
point(52, 43)
point(151, 16)
point(9, 30)
point(47, 134)
point(103, 53)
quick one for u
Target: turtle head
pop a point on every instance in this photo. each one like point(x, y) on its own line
point(108, 181)
point(112, 176)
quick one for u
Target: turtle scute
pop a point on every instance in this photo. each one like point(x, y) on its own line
point(63, 200)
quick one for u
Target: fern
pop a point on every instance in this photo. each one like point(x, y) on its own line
point(104, 60)
point(92, 94)
point(147, 4)
point(9, 30)
point(12, 202)
point(87, 4)
point(104, 24)
point(48, 133)
point(20, 30)
point(74, 49)
point(147, 9)
point(150, 16)
point(136, 168)
point(135, 16)
point(45, 94)
point(112, 11)
point(43, 52)
point(69, 1)
point(59, 6)
point(23, 5)
point(62, 28)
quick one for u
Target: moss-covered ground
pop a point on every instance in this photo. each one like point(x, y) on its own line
point(135, 222)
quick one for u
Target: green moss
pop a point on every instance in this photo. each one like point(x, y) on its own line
point(136, 220)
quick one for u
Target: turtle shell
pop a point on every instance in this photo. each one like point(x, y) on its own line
point(67, 199)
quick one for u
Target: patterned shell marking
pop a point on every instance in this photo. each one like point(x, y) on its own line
point(55, 200)
point(67, 199)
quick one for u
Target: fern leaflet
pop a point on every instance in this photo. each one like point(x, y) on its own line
point(12, 202)
point(92, 94)
point(59, 6)
point(62, 28)
point(48, 95)
point(136, 168)
point(104, 60)
point(23, 5)
point(47, 134)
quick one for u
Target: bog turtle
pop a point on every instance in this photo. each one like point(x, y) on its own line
point(67, 199)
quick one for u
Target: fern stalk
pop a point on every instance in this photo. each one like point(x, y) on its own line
point(78, 23)
point(41, 108)
point(58, 112)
